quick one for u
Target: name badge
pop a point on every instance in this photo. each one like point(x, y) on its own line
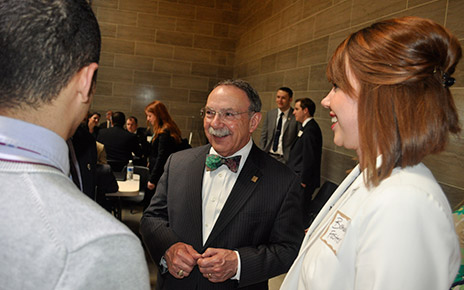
point(300, 133)
point(335, 232)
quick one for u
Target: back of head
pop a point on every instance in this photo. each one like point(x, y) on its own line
point(405, 108)
point(43, 43)
point(119, 119)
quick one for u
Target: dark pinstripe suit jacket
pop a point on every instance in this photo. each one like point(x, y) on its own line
point(261, 218)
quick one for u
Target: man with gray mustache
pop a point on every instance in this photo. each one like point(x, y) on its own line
point(224, 227)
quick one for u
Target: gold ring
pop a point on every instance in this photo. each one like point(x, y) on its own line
point(209, 275)
point(180, 273)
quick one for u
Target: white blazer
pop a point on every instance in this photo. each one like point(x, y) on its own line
point(398, 235)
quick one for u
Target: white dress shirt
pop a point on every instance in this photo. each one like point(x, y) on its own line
point(217, 186)
point(280, 149)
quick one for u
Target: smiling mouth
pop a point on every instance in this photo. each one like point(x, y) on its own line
point(333, 119)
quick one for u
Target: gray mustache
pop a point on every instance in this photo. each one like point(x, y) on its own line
point(219, 132)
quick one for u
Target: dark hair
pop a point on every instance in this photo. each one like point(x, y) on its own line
point(405, 109)
point(119, 119)
point(287, 90)
point(307, 103)
point(165, 122)
point(89, 115)
point(255, 101)
point(44, 43)
point(133, 118)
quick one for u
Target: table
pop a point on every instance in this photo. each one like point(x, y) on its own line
point(127, 188)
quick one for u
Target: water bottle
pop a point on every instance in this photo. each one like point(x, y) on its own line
point(130, 171)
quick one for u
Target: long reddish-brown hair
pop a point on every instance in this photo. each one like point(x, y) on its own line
point(164, 122)
point(405, 111)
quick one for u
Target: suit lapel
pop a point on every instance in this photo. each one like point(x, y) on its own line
point(244, 187)
point(287, 122)
point(194, 199)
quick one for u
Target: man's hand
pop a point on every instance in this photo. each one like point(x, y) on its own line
point(218, 265)
point(181, 258)
point(150, 185)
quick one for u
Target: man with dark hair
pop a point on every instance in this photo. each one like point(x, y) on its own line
point(119, 143)
point(224, 227)
point(52, 235)
point(141, 133)
point(280, 127)
point(305, 155)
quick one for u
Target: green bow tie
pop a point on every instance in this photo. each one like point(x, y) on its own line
point(213, 162)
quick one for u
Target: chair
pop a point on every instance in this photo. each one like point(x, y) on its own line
point(105, 183)
point(140, 200)
point(116, 165)
point(322, 196)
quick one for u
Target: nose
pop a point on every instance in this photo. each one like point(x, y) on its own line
point(216, 121)
point(325, 102)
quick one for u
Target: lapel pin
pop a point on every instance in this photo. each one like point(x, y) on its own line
point(254, 178)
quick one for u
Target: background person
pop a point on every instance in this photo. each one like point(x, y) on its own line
point(52, 235)
point(92, 123)
point(120, 145)
point(166, 140)
point(224, 227)
point(141, 133)
point(108, 120)
point(280, 127)
point(306, 152)
point(389, 224)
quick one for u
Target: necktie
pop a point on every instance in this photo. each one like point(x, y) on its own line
point(277, 133)
point(213, 162)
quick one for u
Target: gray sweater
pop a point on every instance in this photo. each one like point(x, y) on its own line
point(52, 236)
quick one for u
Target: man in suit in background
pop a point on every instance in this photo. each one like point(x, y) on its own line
point(280, 127)
point(141, 133)
point(224, 227)
point(305, 156)
point(119, 143)
point(52, 235)
point(109, 120)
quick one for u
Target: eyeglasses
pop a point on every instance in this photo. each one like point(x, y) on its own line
point(226, 115)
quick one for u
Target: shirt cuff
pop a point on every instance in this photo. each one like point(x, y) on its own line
point(239, 268)
point(163, 265)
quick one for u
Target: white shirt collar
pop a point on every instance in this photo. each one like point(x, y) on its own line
point(285, 112)
point(306, 121)
point(25, 141)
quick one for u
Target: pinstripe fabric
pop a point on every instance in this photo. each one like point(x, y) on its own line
point(261, 218)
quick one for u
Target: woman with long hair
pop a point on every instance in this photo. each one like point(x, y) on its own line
point(388, 225)
point(165, 141)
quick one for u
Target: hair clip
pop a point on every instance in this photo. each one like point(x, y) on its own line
point(448, 81)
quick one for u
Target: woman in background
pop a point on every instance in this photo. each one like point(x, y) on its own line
point(165, 141)
point(389, 224)
point(92, 123)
